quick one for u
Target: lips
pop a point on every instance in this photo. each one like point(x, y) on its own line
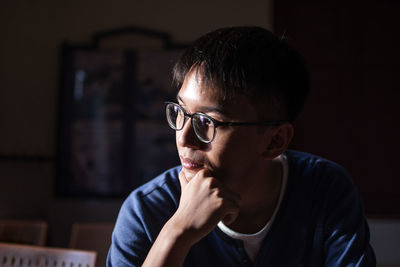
point(191, 164)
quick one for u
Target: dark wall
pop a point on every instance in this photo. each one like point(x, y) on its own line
point(351, 117)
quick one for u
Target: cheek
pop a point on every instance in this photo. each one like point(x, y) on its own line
point(232, 153)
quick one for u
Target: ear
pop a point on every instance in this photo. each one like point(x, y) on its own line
point(279, 138)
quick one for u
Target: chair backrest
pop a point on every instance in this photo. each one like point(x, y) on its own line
point(16, 255)
point(23, 231)
point(92, 236)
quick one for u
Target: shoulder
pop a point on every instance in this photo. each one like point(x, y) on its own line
point(316, 169)
point(149, 206)
point(166, 181)
point(141, 218)
point(327, 186)
point(164, 188)
point(319, 183)
point(311, 163)
point(324, 191)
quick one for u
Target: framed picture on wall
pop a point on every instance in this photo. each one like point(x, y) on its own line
point(113, 135)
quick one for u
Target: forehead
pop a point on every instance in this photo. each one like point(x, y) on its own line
point(199, 96)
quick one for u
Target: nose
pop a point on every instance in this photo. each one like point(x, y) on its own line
point(187, 137)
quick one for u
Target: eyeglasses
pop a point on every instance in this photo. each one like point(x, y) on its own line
point(204, 126)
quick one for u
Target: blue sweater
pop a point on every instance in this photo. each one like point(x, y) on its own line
point(320, 222)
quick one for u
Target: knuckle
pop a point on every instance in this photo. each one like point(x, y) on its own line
point(210, 182)
point(219, 203)
point(217, 192)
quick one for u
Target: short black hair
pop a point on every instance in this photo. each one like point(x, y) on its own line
point(249, 61)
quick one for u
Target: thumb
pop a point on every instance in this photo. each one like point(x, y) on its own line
point(182, 180)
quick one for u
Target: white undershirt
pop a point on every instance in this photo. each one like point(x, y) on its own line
point(252, 242)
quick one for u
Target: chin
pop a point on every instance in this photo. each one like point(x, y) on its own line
point(188, 174)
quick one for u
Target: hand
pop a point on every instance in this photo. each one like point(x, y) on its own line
point(204, 202)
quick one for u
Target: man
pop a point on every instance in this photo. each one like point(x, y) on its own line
point(240, 198)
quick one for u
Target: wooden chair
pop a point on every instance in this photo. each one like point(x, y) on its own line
point(23, 231)
point(16, 255)
point(92, 236)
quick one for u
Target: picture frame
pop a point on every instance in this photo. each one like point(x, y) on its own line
point(112, 133)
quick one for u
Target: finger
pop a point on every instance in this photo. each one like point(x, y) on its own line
point(182, 180)
point(229, 218)
point(231, 213)
point(228, 194)
point(203, 173)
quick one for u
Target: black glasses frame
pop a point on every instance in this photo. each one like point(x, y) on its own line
point(216, 123)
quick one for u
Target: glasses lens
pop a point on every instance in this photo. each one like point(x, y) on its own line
point(203, 127)
point(175, 116)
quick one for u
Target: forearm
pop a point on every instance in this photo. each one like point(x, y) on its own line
point(169, 249)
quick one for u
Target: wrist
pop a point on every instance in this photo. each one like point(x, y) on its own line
point(170, 247)
point(178, 235)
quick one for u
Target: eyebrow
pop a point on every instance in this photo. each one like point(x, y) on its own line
point(218, 109)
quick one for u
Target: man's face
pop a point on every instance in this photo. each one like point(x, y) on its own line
point(234, 155)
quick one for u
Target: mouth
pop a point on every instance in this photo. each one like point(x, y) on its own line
point(191, 164)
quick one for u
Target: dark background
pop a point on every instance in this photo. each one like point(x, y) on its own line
point(352, 114)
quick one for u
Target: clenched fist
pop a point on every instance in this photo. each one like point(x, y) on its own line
point(204, 202)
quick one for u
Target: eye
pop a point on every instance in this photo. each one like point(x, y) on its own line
point(203, 121)
point(203, 127)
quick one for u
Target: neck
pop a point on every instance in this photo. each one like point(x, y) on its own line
point(261, 200)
